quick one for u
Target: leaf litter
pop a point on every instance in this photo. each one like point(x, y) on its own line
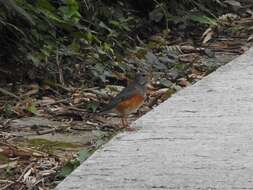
point(47, 130)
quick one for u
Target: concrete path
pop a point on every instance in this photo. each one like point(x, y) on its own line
point(201, 138)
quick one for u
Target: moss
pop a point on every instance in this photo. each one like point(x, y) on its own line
point(51, 146)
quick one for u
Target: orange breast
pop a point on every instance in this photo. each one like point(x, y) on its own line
point(130, 105)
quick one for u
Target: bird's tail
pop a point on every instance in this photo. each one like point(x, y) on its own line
point(104, 110)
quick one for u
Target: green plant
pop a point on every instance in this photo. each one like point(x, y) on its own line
point(41, 37)
point(202, 19)
point(73, 164)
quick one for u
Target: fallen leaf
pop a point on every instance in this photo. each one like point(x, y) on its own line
point(27, 174)
point(235, 4)
point(34, 90)
point(159, 92)
point(250, 38)
point(207, 35)
point(183, 82)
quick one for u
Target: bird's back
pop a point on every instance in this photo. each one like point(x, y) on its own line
point(134, 93)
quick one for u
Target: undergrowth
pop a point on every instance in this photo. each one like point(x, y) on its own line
point(84, 40)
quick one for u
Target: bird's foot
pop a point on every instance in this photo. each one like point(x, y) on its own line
point(128, 128)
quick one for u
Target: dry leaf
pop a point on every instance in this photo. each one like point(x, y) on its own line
point(183, 82)
point(207, 35)
point(159, 92)
point(34, 90)
point(250, 38)
point(27, 174)
point(46, 100)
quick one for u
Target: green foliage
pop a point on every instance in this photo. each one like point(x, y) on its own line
point(73, 164)
point(202, 19)
point(84, 154)
point(92, 106)
point(68, 168)
point(73, 31)
point(32, 109)
point(7, 110)
point(38, 42)
point(94, 34)
point(8, 171)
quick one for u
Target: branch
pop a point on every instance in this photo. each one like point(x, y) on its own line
point(5, 92)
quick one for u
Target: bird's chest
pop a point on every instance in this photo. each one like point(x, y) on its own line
point(130, 105)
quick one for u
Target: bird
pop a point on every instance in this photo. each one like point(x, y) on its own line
point(129, 100)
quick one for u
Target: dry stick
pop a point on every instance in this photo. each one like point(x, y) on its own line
point(7, 186)
point(76, 109)
point(23, 151)
point(46, 131)
point(5, 181)
point(22, 187)
point(59, 68)
point(39, 181)
point(19, 179)
point(52, 84)
point(24, 172)
point(5, 92)
point(66, 100)
point(5, 71)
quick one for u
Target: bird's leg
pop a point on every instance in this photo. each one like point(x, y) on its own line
point(127, 127)
point(123, 122)
point(126, 122)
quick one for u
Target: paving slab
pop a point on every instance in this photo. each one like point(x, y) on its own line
point(201, 138)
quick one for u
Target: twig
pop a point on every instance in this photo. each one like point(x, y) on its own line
point(69, 113)
point(22, 152)
point(46, 131)
point(24, 172)
point(7, 101)
point(52, 84)
point(22, 187)
point(82, 128)
point(98, 93)
point(90, 89)
point(76, 109)
point(3, 91)
point(5, 181)
point(5, 71)
point(61, 79)
point(7, 186)
point(66, 100)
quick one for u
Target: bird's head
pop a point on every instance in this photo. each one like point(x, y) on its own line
point(142, 79)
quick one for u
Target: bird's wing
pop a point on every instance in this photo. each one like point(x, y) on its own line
point(123, 95)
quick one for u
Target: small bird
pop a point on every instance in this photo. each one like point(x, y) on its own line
point(129, 99)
